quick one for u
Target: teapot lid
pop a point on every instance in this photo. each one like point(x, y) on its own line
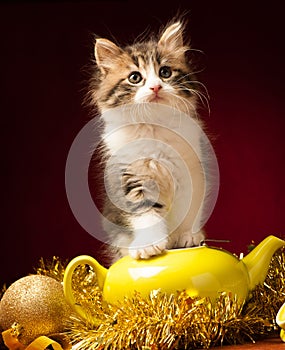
point(203, 244)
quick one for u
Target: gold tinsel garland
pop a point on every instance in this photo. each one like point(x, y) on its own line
point(173, 321)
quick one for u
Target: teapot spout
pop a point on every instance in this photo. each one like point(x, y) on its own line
point(258, 260)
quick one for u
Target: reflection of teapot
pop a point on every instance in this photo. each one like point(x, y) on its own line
point(200, 271)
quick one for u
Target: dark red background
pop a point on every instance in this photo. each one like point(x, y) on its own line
point(45, 45)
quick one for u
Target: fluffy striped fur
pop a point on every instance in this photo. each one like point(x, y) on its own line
point(155, 71)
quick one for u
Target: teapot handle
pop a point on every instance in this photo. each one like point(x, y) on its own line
point(67, 280)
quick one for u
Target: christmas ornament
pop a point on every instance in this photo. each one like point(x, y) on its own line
point(36, 305)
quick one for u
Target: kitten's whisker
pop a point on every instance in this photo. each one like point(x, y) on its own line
point(197, 50)
point(200, 94)
point(202, 97)
point(189, 75)
point(186, 104)
point(195, 82)
point(185, 76)
point(203, 86)
point(179, 99)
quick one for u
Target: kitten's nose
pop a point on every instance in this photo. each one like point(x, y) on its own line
point(156, 88)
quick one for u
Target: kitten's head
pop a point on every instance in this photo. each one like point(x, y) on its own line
point(156, 70)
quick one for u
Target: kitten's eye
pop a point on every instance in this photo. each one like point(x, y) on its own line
point(165, 72)
point(135, 77)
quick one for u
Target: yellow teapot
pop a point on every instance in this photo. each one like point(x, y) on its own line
point(200, 271)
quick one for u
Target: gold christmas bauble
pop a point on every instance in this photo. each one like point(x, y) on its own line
point(37, 304)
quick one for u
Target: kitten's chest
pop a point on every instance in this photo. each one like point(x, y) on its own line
point(132, 138)
point(131, 142)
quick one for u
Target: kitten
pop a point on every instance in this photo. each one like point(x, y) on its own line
point(154, 71)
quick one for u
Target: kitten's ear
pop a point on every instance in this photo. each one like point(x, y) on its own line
point(172, 37)
point(105, 53)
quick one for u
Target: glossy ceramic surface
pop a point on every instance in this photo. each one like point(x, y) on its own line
point(199, 271)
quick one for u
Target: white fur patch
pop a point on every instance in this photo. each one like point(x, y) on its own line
point(150, 232)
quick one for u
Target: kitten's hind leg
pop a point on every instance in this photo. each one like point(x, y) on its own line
point(150, 236)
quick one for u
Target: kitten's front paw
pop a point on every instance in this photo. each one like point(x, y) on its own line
point(188, 239)
point(148, 251)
